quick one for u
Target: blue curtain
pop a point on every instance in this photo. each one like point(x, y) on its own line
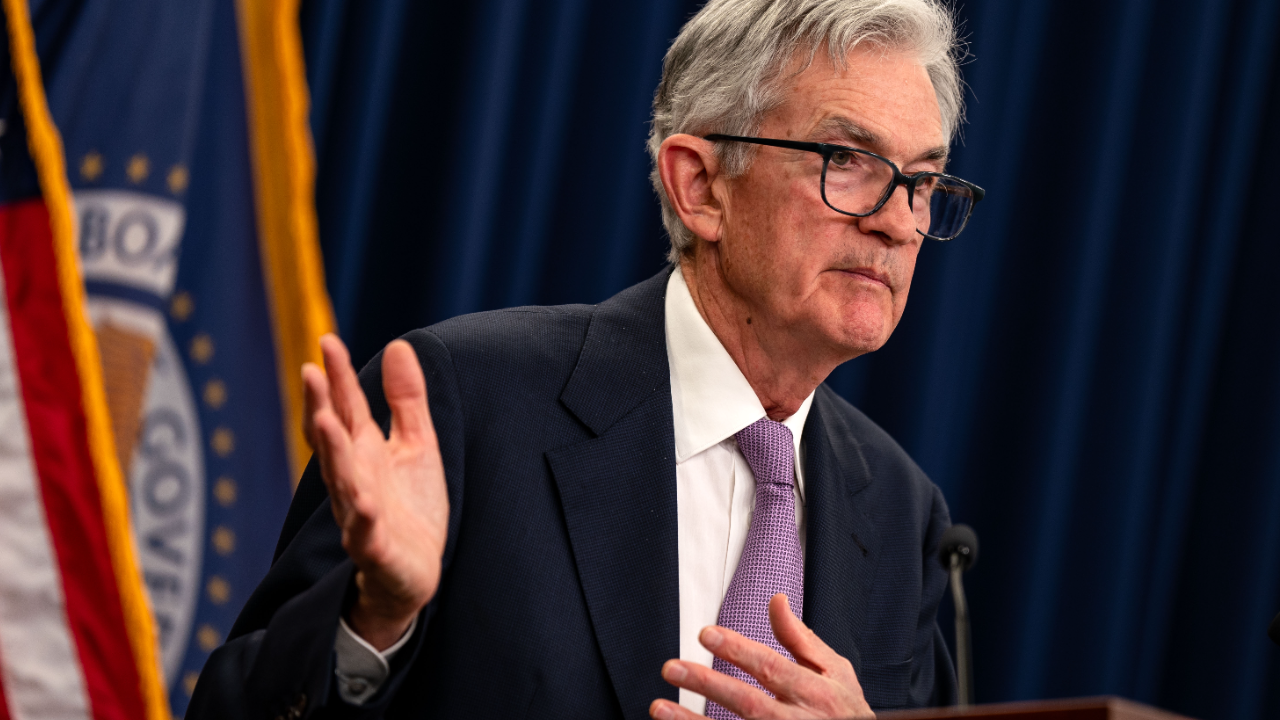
point(1091, 373)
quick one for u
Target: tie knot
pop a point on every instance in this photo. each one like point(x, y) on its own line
point(770, 451)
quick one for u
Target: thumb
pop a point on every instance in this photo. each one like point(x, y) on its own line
point(804, 645)
point(405, 389)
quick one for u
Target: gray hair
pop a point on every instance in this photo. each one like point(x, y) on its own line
point(723, 72)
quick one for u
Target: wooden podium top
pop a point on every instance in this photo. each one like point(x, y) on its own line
point(1098, 708)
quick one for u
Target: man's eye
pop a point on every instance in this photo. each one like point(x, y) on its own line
point(842, 158)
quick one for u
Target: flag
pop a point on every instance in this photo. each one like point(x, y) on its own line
point(76, 636)
point(188, 158)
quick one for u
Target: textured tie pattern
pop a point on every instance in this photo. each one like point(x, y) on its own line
point(771, 559)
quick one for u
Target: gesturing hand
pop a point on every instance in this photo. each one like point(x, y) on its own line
point(820, 684)
point(388, 494)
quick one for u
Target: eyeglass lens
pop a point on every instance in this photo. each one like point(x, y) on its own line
point(855, 183)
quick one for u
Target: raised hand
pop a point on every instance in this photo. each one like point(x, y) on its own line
point(388, 493)
point(820, 684)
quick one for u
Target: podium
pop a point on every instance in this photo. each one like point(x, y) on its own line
point(1098, 708)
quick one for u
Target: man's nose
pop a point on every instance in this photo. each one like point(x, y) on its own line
point(894, 220)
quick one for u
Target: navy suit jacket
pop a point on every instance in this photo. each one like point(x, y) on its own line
point(559, 593)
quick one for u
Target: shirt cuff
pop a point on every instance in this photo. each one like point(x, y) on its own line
point(361, 669)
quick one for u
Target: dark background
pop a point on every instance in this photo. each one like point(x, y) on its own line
point(1091, 373)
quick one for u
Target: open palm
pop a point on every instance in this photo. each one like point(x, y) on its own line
point(388, 493)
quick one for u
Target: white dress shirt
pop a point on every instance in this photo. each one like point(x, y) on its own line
point(715, 491)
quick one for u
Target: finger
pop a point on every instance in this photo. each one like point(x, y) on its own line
point(737, 696)
point(348, 399)
point(406, 391)
point(315, 397)
point(667, 710)
point(804, 645)
point(774, 671)
point(334, 448)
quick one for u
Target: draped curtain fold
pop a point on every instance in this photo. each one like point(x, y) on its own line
point(1091, 372)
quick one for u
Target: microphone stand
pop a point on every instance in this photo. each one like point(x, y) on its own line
point(964, 654)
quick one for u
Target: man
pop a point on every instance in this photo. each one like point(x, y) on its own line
point(651, 506)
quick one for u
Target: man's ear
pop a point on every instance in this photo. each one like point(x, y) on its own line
point(688, 168)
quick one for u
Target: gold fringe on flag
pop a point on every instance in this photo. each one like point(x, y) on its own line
point(284, 175)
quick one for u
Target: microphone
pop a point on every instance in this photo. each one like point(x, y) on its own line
point(1273, 632)
point(958, 551)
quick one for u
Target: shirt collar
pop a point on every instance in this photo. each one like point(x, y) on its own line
point(710, 397)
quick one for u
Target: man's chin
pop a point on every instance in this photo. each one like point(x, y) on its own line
point(863, 331)
point(862, 346)
point(850, 343)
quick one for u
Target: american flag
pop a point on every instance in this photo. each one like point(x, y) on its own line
point(76, 634)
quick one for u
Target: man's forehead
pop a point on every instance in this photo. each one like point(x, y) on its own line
point(878, 99)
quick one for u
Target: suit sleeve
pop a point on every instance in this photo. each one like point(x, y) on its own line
point(278, 660)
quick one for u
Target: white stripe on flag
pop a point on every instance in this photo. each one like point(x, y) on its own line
point(38, 661)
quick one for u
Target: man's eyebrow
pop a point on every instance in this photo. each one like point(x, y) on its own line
point(850, 131)
point(941, 154)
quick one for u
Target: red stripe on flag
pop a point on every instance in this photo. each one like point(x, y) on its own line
point(51, 391)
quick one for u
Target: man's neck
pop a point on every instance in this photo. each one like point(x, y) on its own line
point(782, 369)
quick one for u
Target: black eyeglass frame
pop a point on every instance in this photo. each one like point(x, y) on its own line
point(826, 150)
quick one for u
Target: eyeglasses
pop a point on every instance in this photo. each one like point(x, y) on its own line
point(859, 182)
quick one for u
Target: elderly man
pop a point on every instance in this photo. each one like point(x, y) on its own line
point(653, 505)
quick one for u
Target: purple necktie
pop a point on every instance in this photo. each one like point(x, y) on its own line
point(771, 559)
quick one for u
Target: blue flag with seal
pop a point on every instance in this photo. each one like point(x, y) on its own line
point(188, 153)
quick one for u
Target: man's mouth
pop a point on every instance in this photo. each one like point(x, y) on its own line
point(871, 274)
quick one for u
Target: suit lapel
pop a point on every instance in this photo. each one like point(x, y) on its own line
point(842, 543)
point(618, 492)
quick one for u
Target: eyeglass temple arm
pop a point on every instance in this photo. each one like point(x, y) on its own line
point(788, 144)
